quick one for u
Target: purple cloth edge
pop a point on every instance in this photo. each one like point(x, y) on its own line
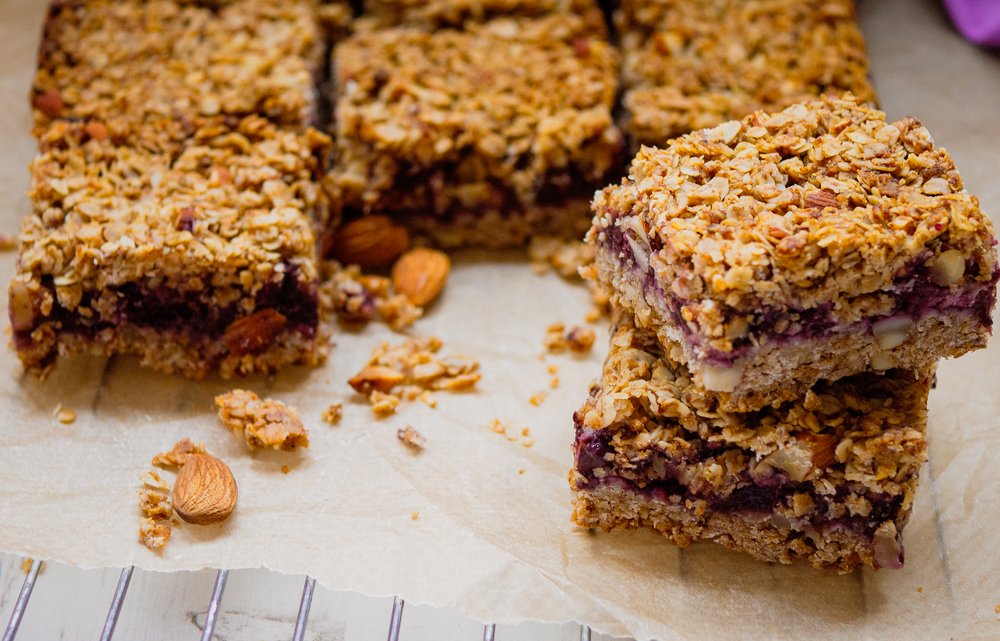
point(977, 20)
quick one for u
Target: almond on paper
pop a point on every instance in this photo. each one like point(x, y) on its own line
point(420, 274)
point(204, 491)
point(369, 242)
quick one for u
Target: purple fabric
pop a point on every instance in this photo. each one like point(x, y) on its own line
point(978, 20)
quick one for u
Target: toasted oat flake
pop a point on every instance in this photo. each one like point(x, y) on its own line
point(177, 456)
point(263, 423)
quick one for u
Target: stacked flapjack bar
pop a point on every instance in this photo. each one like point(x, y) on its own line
point(481, 136)
point(176, 187)
point(690, 64)
point(791, 267)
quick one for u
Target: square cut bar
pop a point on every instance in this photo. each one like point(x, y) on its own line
point(196, 262)
point(814, 243)
point(578, 17)
point(481, 137)
point(691, 64)
point(829, 478)
point(148, 71)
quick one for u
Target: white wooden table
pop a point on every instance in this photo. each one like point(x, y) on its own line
point(257, 605)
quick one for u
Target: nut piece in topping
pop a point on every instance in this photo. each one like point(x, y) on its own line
point(254, 333)
point(333, 413)
point(179, 455)
point(370, 241)
point(577, 339)
point(420, 274)
point(411, 437)
point(262, 422)
point(205, 491)
point(407, 370)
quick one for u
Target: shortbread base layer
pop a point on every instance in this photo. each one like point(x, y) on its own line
point(767, 539)
point(176, 352)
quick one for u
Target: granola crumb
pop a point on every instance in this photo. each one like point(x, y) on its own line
point(593, 315)
point(285, 469)
point(566, 256)
point(154, 505)
point(537, 398)
point(26, 565)
point(920, 589)
point(996, 608)
point(176, 457)
point(354, 297)
point(383, 404)
point(521, 471)
point(153, 481)
point(261, 422)
point(411, 370)
point(498, 427)
point(577, 339)
point(526, 432)
point(8, 242)
point(411, 437)
point(333, 413)
point(553, 369)
point(154, 534)
point(528, 442)
point(65, 415)
point(554, 383)
point(415, 516)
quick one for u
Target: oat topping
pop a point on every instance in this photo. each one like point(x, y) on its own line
point(576, 339)
point(263, 423)
point(408, 370)
point(470, 121)
point(411, 437)
point(819, 202)
point(355, 297)
point(154, 534)
point(691, 64)
point(178, 455)
point(142, 69)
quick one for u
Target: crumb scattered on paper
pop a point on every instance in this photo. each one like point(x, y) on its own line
point(354, 297)
point(8, 242)
point(285, 469)
point(333, 413)
point(154, 505)
point(576, 339)
point(411, 437)
point(524, 437)
point(262, 423)
point(564, 255)
point(415, 516)
point(409, 370)
point(537, 398)
point(65, 415)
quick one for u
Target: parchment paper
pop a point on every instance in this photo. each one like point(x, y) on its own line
point(490, 540)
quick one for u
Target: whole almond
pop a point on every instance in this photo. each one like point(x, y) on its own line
point(254, 333)
point(824, 447)
point(205, 490)
point(420, 274)
point(370, 241)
